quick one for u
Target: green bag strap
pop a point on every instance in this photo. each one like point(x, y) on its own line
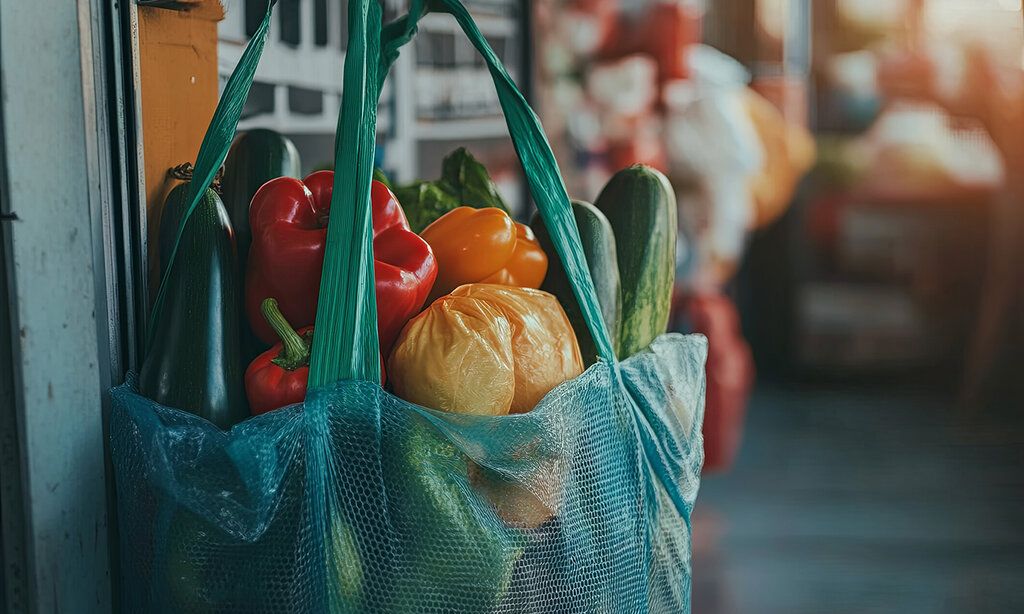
point(544, 178)
point(216, 144)
point(345, 345)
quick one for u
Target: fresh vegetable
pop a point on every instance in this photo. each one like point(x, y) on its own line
point(289, 224)
point(194, 359)
point(486, 246)
point(170, 220)
point(424, 202)
point(278, 377)
point(413, 472)
point(381, 176)
point(468, 180)
point(528, 264)
point(485, 349)
point(599, 248)
point(434, 502)
point(464, 182)
point(174, 208)
point(202, 556)
point(192, 582)
point(256, 157)
point(490, 350)
point(641, 207)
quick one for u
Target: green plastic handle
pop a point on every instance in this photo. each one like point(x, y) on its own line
point(345, 345)
point(216, 143)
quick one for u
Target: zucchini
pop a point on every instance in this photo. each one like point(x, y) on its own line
point(640, 205)
point(599, 249)
point(170, 220)
point(194, 359)
point(256, 157)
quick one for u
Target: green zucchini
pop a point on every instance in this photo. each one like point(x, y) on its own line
point(600, 251)
point(194, 358)
point(256, 157)
point(640, 205)
point(202, 563)
point(170, 220)
point(433, 504)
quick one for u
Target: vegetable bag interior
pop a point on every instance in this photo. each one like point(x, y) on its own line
point(404, 513)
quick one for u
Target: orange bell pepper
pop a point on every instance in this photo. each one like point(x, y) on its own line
point(483, 246)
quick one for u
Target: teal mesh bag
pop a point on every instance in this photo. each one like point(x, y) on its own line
point(358, 501)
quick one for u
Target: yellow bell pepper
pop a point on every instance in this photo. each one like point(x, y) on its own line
point(485, 349)
point(483, 246)
point(489, 349)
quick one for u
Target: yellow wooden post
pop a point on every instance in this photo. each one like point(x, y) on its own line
point(178, 69)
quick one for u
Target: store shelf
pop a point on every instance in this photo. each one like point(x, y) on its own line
point(308, 67)
point(490, 25)
point(439, 93)
point(326, 123)
point(462, 129)
point(500, 8)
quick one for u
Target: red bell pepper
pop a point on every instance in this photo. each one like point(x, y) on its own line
point(278, 376)
point(289, 220)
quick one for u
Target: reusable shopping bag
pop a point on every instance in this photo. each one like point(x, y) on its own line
point(358, 501)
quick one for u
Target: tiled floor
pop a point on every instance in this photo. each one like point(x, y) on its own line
point(865, 501)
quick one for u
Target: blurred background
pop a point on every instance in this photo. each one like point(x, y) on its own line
point(850, 182)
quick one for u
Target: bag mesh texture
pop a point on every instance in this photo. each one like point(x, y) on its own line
point(383, 506)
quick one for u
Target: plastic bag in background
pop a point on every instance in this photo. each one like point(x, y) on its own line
point(358, 501)
point(709, 129)
point(624, 89)
point(624, 92)
point(916, 149)
point(713, 145)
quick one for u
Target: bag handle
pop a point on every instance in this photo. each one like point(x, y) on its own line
point(215, 145)
point(345, 345)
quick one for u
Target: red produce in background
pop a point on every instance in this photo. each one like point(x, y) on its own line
point(729, 370)
point(591, 24)
point(667, 30)
point(640, 149)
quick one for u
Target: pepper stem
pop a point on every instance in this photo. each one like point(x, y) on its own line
point(295, 349)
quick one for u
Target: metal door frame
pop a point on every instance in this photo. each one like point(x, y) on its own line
point(72, 291)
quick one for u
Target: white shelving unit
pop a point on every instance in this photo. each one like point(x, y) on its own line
point(489, 24)
point(439, 93)
point(461, 129)
point(296, 71)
